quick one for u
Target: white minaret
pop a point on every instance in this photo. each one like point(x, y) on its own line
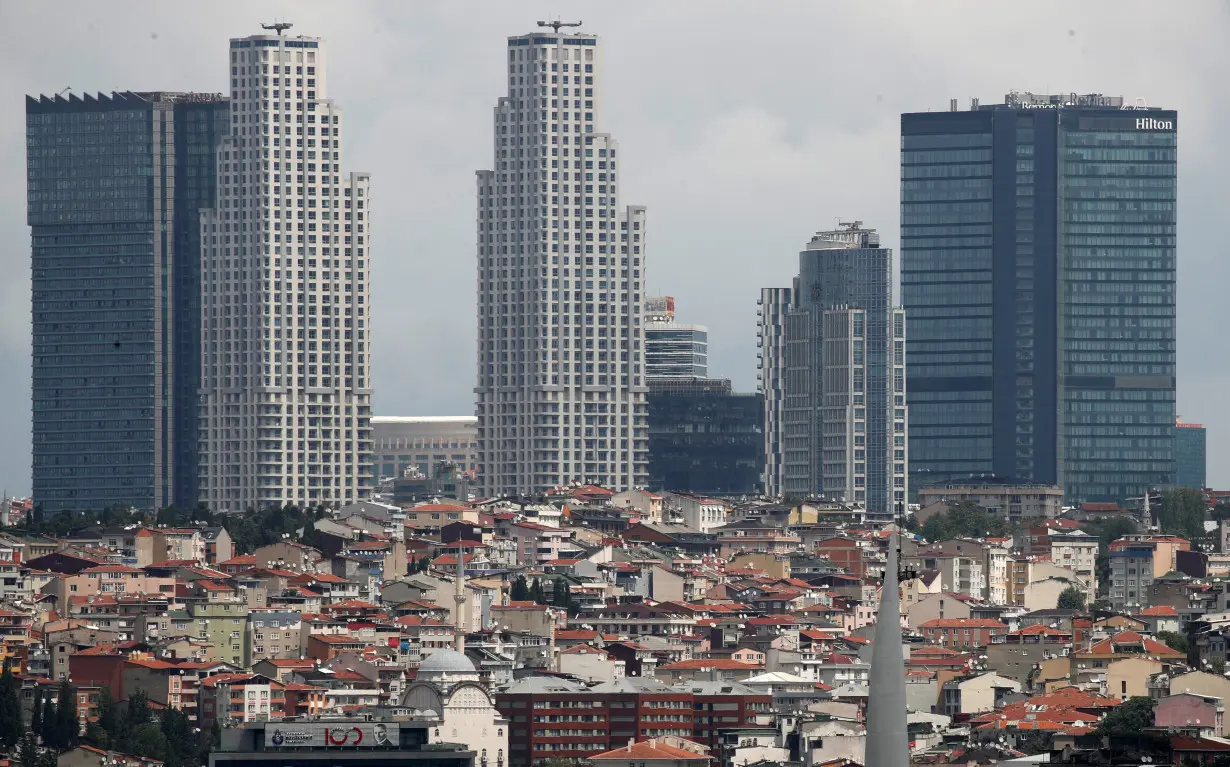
point(285, 299)
point(561, 275)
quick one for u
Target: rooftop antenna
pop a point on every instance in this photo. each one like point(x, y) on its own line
point(557, 24)
point(278, 26)
point(67, 88)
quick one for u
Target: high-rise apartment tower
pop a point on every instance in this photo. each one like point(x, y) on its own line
point(1038, 273)
point(561, 273)
point(116, 184)
point(286, 261)
point(840, 359)
point(771, 312)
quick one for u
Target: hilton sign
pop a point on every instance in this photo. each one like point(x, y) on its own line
point(1149, 123)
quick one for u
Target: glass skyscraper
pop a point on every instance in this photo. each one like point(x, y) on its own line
point(704, 438)
point(840, 358)
point(114, 187)
point(1189, 449)
point(1038, 275)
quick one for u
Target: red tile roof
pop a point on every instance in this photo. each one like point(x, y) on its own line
point(644, 751)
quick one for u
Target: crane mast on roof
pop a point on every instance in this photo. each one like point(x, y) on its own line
point(557, 24)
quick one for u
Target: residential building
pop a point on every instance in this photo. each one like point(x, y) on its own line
point(704, 438)
point(771, 309)
point(114, 189)
point(973, 695)
point(567, 400)
point(962, 633)
point(421, 443)
point(843, 409)
point(1189, 454)
point(1038, 245)
point(1077, 551)
point(281, 421)
point(1135, 561)
point(1017, 502)
point(657, 752)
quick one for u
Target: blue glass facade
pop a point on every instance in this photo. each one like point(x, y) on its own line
point(1189, 451)
point(704, 438)
point(1038, 275)
point(114, 187)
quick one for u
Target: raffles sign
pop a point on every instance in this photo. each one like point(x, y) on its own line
point(333, 735)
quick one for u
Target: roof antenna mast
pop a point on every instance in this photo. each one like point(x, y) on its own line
point(279, 26)
point(557, 24)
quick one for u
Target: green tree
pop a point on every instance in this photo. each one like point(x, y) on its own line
point(47, 730)
point(1101, 608)
point(11, 723)
point(28, 753)
point(519, 591)
point(36, 712)
point(1174, 641)
point(536, 593)
point(177, 730)
point(1128, 718)
point(964, 519)
point(1217, 666)
point(67, 726)
point(1071, 598)
point(1182, 512)
point(561, 594)
point(147, 740)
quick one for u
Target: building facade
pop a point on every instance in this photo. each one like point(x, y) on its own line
point(676, 350)
point(115, 186)
point(1016, 502)
point(561, 270)
point(1189, 454)
point(286, 305)
point(771, 311)
point(421, 443)
point(704, 438)
point(842, 409)
point(1038, 270)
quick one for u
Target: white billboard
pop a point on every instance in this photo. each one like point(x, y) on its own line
point(333, 734)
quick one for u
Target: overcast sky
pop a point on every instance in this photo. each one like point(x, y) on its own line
point(743, 126)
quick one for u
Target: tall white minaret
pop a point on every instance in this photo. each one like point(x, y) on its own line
point(888, 743)
point(459, 599)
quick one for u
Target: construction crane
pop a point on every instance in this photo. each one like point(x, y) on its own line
point(557, 24)
point(279, 26)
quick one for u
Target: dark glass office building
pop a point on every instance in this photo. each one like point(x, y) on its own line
point(114, 187)
point(1038, 276)
point(1189, 455)
point(704, 438)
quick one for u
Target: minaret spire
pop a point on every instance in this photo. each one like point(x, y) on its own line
point(888, 743)
point(459, 598)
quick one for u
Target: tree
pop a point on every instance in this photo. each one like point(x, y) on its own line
point(519, 591)
point(10, 709)
point(29, 754)
point(964, 519)
point(562, 594)
point(1182, 512)
point(177, 731)
point(108, 718)
point(1071, 598)
point(1101, 608)
point(66, 725)
point(36, 712)
point(47, 728)
point(1128, 719)
point(1217, 666)
point(536, 593)
point(1174, 641)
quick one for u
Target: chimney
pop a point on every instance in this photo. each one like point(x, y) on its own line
point(630, 742)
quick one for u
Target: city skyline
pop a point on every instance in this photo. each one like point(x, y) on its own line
point(775, 192)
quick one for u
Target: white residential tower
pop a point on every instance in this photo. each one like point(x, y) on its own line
point(286, 305)
point(561, 273)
